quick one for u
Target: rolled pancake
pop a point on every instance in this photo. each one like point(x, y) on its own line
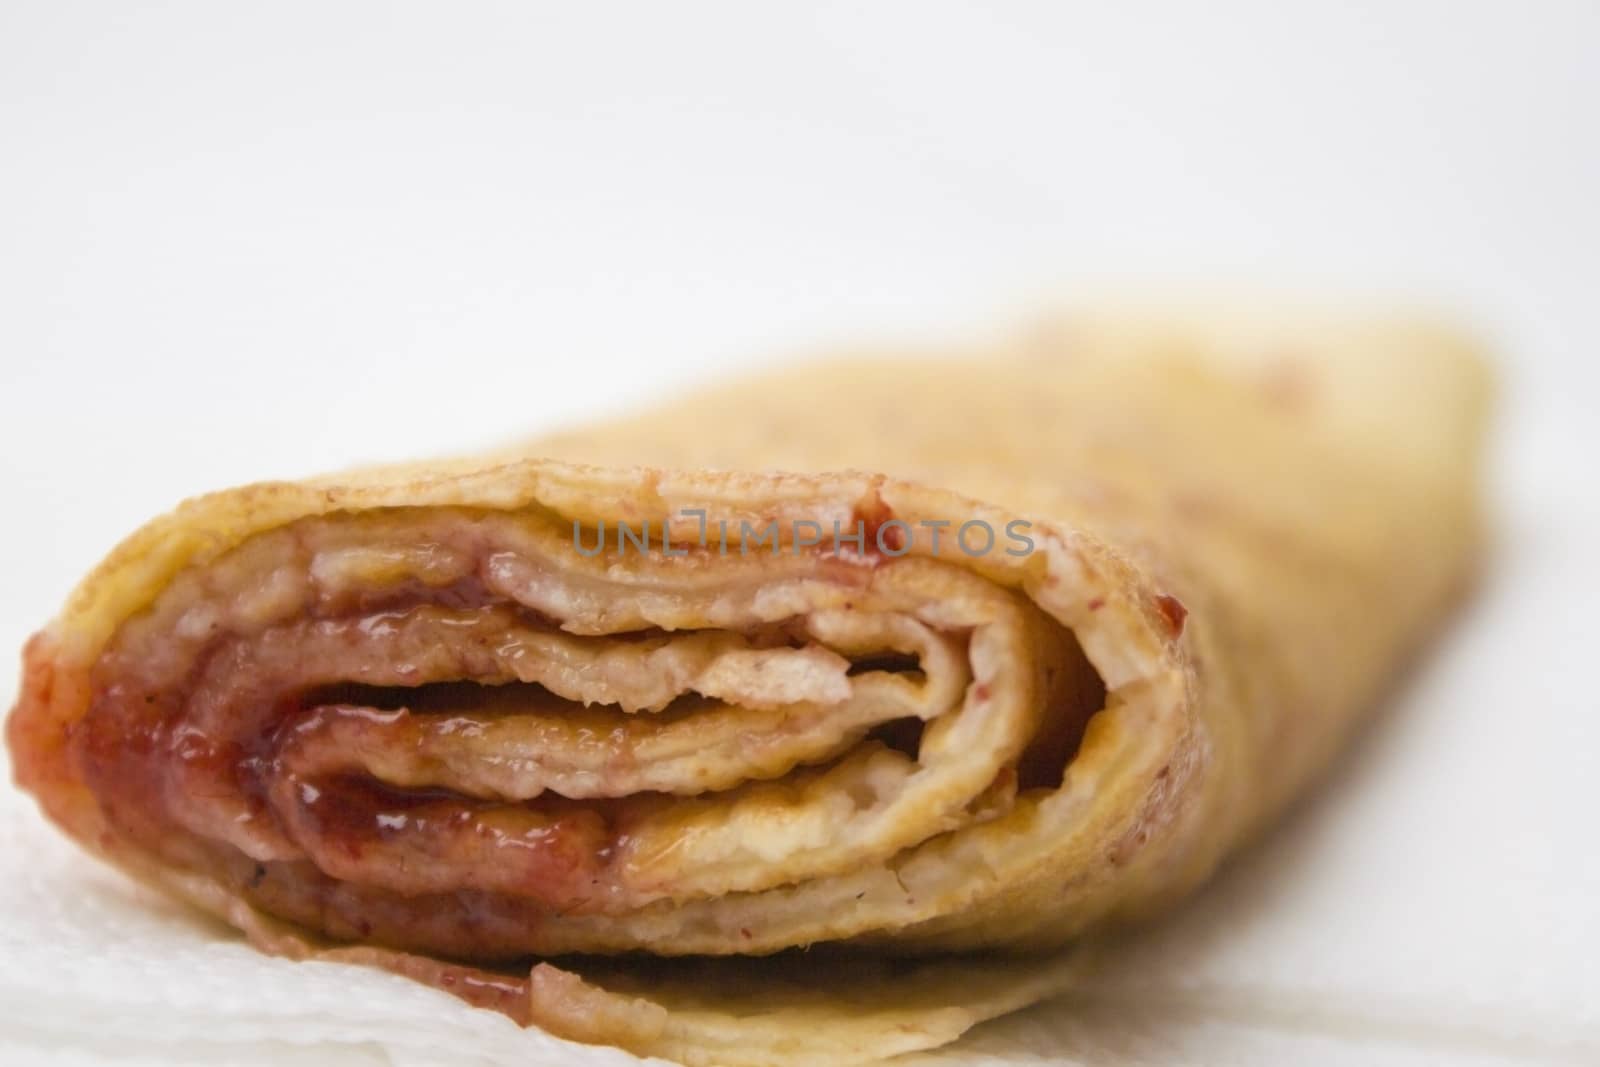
point(809, 719)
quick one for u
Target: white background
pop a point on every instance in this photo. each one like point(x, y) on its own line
point(241, 241)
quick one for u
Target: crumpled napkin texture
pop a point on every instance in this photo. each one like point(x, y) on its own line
point(1436, 902)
